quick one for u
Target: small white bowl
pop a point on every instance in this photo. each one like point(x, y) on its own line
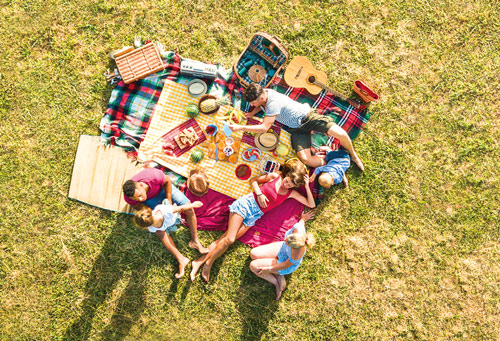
point(197, 87)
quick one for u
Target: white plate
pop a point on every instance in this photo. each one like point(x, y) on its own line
point(197, 87)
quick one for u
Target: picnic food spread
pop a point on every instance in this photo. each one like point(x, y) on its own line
point(187, 137)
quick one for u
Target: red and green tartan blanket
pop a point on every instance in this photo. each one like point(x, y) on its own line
point(131, 106)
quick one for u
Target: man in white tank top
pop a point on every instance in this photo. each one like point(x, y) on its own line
point(300, 120)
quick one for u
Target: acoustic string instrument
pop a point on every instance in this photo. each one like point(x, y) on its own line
point(300, 73)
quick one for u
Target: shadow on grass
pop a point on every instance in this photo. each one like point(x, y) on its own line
point(120, 256)
point(256, 303)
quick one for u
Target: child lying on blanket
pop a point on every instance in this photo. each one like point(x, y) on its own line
point(337, 163)
point(163, 220)
point(272, 261)
point(269, 192)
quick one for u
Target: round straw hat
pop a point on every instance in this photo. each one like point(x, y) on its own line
point(266, 141)
point(197, 182)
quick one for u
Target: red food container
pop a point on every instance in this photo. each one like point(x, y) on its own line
point(366, 94)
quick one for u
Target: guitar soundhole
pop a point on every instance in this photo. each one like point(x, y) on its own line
point(311, 79)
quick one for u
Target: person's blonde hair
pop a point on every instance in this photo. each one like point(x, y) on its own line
point(144, 217)
point(325, 180)
point(295, 170)
point(298, 240)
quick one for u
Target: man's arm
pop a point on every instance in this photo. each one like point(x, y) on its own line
point(259, 128)
point(252, 112)
point(167, 185)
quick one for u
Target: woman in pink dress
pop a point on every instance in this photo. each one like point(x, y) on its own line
point(269, 191)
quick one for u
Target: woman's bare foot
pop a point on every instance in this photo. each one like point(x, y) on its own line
point(206, 271)
point(282, 282)
point(182, 265)
point(344, 180)
point(195, 266)
point(278, 291)
point(358, 163)
point(281, 285)
point(197, 245)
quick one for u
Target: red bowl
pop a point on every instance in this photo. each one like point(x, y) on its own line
point(240, 168)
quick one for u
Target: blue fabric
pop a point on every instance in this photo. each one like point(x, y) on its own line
point(285, 253)
point(177, 198)
point(337, 162)
point(247, 207)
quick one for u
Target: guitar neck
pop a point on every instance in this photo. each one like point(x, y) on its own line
point(336, 93)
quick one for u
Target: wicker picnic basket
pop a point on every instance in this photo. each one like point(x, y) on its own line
point(139, 63)
point(261, 60)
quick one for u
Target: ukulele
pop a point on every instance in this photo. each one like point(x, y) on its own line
point(300, 73)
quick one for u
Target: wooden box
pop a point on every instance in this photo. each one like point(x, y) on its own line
point(139, 63)
point(261, 60)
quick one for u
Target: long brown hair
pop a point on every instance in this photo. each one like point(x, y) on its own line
point(295, 170)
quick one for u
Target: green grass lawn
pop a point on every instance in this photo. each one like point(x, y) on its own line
point(411, 249)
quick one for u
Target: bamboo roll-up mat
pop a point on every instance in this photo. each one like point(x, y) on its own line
point(98, 174)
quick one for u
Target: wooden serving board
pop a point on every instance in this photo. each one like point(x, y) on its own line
point(219, 143)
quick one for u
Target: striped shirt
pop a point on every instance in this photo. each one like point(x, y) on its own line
point(287, 111)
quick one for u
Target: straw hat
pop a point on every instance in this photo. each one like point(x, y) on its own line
point(197, 182)
point(266, 141)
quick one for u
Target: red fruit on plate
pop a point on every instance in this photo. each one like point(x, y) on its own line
point(246, 154)
point(256, 153)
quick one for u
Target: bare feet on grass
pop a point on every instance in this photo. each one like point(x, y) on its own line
point(197, 245)
point(206, 271)
point(281, 285)
point(182, 265)
point(358, 163)
point(278, 291)
point(195, 266)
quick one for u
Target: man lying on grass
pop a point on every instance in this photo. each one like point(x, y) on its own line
point(149, 188)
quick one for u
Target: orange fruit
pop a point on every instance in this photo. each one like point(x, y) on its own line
point(233, 158)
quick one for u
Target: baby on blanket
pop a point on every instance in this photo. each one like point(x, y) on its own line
point(333, 172)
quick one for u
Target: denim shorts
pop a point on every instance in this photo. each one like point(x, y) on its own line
point(247, 207)
point(178, 198)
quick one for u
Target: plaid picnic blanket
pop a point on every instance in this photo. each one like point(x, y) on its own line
point(131, 106)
